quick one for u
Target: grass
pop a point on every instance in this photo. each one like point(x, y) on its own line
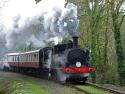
point(4, 79)
point(25, 87)
point(21, 86)
point(93, 90)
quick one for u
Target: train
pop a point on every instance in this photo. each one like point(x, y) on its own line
point(62, 62)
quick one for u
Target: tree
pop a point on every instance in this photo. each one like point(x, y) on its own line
point(95, 12)
point(95, 30)
point(117, 20)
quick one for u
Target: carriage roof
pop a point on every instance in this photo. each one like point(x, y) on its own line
point(29, 52)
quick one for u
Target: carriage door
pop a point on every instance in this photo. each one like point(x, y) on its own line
point(47, 58)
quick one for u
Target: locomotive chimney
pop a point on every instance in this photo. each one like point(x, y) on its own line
point(75, 40)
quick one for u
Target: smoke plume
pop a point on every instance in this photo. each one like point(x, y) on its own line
point(25, 21)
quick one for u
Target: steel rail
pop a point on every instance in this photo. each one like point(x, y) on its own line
point(105, 88)
point(79, 89)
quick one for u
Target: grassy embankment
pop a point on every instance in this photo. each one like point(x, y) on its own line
point(27, 86)
point(20, 86)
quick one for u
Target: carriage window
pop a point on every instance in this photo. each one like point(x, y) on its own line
point(12, 58)
point(32, 57)
point(38, 57)
point(15, 58)
point(25, 58)
point(22, 58)
point(29, 57)
point(35, 57)
point(19, 58)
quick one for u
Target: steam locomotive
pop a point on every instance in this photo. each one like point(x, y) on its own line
point(63, 62)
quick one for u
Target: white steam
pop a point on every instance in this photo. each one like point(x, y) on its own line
point(24, 21)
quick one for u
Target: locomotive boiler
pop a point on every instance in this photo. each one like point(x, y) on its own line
point(62, 62)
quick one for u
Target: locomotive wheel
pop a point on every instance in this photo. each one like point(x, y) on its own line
point(84, 80)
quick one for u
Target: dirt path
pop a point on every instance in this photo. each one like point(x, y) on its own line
point(51, 86)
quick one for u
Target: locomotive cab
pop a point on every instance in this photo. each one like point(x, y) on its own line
point(47, 58)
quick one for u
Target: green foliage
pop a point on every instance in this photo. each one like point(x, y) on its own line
point(65, 40)
point(50, 43)
point(96, 34)
point(117, 21)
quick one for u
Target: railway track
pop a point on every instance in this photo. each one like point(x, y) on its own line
point(105, 88)
point(112, 91)
point(79, 89)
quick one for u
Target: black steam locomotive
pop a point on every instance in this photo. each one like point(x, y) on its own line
point(63, 62)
